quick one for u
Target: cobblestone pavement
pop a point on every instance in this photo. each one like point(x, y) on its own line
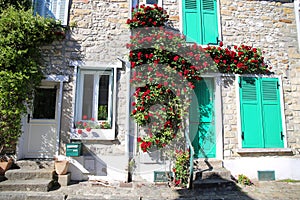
point(139, 191)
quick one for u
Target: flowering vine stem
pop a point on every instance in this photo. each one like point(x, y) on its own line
point(165, 69)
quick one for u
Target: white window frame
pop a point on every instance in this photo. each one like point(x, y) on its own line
point(159, 3)
point(97, 75)
point(64, 21)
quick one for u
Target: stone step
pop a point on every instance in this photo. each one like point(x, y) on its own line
point(37, 185)
point(27, 174)
point(206, 164)
point(35, 164)
point(214, 184)
point(21, 195)
point(212, 174)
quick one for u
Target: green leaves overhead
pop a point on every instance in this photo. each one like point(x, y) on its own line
point(21, 35)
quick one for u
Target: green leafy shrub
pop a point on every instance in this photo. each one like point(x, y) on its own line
point(21, 35)
point(244, 180)
point(181, 167)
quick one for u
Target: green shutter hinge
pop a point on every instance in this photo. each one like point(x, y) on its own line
point(278, 85)
point(240, 84)
point(281, 135)
point(243, 135)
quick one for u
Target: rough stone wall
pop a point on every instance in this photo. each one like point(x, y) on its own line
point(271, 26)
point(98, 35)
point(173, 9)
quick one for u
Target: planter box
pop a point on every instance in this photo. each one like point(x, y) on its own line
point(94, 134)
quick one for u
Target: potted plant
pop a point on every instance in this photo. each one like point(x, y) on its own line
point(61, 165)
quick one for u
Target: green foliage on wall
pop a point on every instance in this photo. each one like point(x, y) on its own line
point(21, 35)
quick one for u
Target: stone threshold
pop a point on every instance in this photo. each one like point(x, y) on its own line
point(265, 150)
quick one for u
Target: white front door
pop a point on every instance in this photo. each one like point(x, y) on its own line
point(40, 131)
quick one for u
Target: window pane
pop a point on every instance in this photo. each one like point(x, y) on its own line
point(151, 2)
point(87, 98)
point(44, 104)
point(103, 97)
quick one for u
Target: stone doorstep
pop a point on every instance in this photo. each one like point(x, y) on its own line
point(35, 164)
point(215, 184)
point(37, 185)
point(219, 173)
point(26, 174)
point(21, 195)
point(204, 164)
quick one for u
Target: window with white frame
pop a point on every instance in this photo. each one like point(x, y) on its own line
point(147, 2)
point(95, 95)
point(57, 9)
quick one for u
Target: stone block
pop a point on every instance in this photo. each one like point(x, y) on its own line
point(64, 180)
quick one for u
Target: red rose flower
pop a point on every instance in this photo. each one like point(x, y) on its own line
point(79, 131)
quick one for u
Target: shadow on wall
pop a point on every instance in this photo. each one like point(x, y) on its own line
point(59, 58)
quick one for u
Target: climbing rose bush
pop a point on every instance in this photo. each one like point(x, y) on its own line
point(165, 69)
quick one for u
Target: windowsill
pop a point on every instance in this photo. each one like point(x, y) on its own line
point(94, 134)
point(265, 150)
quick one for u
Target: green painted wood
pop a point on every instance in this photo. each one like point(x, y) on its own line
point(191, 20)
point(260, 113)
point(200, 21)
point(272, 124)
point(250, 113)
point(209, 21)
point(202, 125)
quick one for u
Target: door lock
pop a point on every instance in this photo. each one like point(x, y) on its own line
point(28, 118)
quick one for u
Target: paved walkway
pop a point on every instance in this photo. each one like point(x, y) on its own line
point(139, 191)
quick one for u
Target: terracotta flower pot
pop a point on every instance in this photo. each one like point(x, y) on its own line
point(5, 165)
point(61, 166)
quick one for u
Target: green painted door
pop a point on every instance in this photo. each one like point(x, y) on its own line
point(202, 123)
point(260, 113)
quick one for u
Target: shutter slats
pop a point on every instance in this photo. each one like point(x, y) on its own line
point(249, 89)
point(190, 4)
point(269, 90)
point(208, 5)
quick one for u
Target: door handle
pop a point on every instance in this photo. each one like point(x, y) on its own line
point(28, 118)
point(281, 135)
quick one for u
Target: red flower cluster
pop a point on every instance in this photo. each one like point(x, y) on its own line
point(147, 16)
point(161, 60)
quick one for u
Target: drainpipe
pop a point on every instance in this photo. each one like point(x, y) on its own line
point(61, 84)
point(192, 152)
point(128, 135)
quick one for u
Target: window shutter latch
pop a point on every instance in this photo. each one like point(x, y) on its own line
point(281, 135)
point(243, 134)
point(278, 85)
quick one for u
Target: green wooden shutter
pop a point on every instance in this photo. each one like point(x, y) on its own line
point(251, 119)
point(191, 20)
point(209, 21)
point(272, 125)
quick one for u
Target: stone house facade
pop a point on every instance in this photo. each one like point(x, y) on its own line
point(87, 74)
